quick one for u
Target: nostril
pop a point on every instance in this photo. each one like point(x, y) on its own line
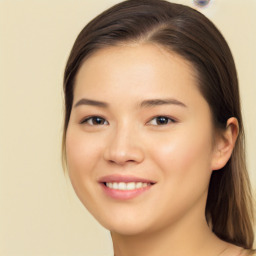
point(122, 159)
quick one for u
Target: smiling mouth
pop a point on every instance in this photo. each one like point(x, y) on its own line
point(124, 187)
point(127, 185)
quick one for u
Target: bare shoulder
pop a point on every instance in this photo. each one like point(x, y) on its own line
point(234, 250)
point(248, 253)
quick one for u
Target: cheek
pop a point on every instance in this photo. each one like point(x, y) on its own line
point(80, 150)
point(82, 156)
point(184, 162)
point(184, 155)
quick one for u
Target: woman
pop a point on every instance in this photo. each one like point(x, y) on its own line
point(153, 135)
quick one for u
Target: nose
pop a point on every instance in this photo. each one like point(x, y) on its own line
point(124, 147)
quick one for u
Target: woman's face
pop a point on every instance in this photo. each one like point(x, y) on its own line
point(139, 142)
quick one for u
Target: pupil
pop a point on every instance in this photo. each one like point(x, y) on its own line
point(162, 120)
point(98, 120)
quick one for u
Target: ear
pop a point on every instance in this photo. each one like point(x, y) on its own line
point(224, 144)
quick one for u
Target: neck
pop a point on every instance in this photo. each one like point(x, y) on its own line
point(185, 237)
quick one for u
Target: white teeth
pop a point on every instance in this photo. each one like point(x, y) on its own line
point(130, 186)
point(110, 185)
point(139, 185)
point(115, 185)
point(126, 186)
point(121, 186)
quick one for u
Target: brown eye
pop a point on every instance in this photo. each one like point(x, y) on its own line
point(94, 120)
point(161, 120)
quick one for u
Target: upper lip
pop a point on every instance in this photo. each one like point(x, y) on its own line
point(124, 178)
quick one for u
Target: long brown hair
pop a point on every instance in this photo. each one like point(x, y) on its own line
point(190, 34)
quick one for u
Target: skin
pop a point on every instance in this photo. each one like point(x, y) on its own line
point(179, 155)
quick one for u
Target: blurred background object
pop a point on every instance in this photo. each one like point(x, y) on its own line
point(201, 3)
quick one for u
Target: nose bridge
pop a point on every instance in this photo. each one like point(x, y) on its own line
point(124, 145)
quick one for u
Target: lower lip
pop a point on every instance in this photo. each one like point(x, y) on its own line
point(124, 194)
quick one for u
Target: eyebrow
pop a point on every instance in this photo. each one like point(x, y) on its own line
point(143, 104)
point(159, 102)
point(91, 103)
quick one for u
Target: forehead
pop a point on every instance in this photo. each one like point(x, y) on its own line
point(135, 70)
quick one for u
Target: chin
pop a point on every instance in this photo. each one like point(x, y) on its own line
point(126, 226)
point(128, 230)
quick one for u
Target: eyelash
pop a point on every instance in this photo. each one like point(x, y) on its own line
point(89, 120)
point(166, 118)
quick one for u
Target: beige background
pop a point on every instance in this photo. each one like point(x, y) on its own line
point(39, 213)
